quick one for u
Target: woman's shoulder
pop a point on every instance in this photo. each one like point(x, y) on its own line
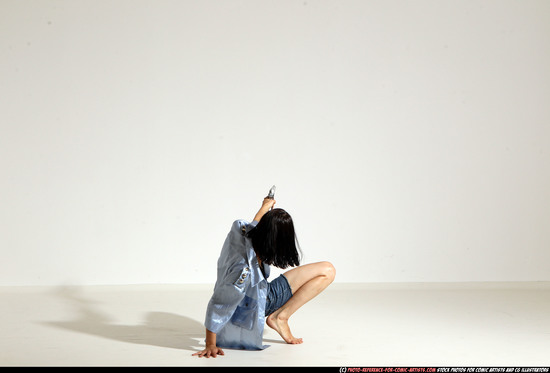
point(236, 236)
point(238, 224)
point(242, 226)
point(235, 246)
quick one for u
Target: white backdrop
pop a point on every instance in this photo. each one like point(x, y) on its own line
point(409, 139)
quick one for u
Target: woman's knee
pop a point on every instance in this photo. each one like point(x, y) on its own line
point(329, 271)
point(300, 275)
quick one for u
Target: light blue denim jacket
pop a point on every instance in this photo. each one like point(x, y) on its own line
point(236, 311)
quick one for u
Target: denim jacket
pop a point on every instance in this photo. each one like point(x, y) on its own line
point(236, 311)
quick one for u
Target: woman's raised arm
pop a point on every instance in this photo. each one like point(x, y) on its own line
point(267, 204)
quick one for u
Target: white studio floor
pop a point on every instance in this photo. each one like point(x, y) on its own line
point(444, 324)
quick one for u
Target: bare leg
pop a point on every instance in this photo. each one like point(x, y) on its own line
point(306, 283)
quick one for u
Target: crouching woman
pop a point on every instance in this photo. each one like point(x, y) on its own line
point(243, 300)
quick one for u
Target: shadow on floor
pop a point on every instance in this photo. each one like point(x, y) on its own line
point(158, 329)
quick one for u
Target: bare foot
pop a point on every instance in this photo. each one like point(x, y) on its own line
point(280, 325)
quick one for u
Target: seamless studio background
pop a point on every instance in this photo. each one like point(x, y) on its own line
point(409, 140)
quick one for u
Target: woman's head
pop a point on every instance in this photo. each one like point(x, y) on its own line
point(274, 239)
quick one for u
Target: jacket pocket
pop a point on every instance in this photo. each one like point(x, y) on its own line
point(246, 313)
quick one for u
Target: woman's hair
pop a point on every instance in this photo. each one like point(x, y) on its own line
point(274, 239)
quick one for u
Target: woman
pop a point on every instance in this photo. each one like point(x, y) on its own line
point(243, 300)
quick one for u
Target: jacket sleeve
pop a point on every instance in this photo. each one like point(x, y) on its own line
point(227, 296)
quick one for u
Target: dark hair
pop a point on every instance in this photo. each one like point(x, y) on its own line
point(274, 239)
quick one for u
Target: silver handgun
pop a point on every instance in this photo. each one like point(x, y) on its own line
point(271, 193)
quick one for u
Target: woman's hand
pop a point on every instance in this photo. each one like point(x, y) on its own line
point(267, 204)
point(209, 351)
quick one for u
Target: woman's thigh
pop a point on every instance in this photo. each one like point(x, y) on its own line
point(300, 275)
